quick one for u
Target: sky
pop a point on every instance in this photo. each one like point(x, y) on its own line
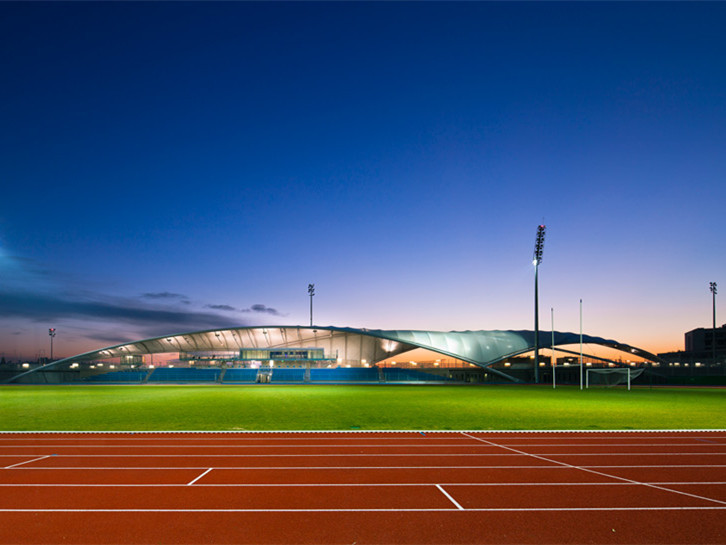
point(174, 166)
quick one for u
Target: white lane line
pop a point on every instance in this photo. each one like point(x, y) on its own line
point(384, 510)
point(361, 455)
point(493, 454)
point(367, 445)
point(323, 485)
point(416, 445)
point(200, 476)
point(300, 467)
point(445, 493)
point(664, 431)
point(357, 455)
point(581, 468)
point(28, 461)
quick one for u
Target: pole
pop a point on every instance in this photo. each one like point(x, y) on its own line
point(580, 344)
point(628, 379)
point(554, 358)
point(51, 333)
point(538, 247)
point(311, 291)
point(536, 327)
point(713, 289)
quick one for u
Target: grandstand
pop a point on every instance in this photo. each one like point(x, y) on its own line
point(184, 375)
point(297, 354)
point(337, 375)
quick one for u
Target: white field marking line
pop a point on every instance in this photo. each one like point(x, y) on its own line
point(357, 432)
point(28, 461)
point(407, 446)
point(368, 445)
point(377, 455)
point(603, 474)
point(411, 436)
point(371, 455)
point(383, 510)
point(199, 477)
point(291, 442)
point(298, 468)
point(323, 485)
point(202, 455)
point(315, 442)
point(445, 493)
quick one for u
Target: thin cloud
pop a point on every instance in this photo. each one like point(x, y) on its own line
point(262, 309)
point(164, 295)
point(41, 307)
point(221, 307)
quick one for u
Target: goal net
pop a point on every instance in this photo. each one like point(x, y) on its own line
point(611, 376)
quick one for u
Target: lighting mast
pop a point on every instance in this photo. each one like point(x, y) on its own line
point(51, 333)
point(713, 287)
point(311, 292)
point(538, 247)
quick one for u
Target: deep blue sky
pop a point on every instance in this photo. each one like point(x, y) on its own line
point(173, 166)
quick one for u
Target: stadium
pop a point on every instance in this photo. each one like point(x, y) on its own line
point(324, 354)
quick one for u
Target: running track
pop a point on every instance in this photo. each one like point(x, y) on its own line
point(387, 487)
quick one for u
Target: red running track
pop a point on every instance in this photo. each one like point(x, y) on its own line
point(396, 488)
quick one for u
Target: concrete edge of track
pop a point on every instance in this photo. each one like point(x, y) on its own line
point(245, 432)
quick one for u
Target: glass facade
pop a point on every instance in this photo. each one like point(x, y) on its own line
point(282, 354)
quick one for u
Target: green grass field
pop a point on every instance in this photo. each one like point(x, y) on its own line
point(277, 407)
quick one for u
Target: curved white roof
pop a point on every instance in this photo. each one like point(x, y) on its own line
point(481, 348)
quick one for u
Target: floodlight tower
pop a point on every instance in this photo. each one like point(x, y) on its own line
point(311, 292)
point(713, 287)
point(51, 333)
point(538, 247)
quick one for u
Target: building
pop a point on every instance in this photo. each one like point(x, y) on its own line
point(700, 340)
point(315, 347)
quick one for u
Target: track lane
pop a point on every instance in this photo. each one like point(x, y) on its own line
point(25, 475)
point(419, 449)
point(715, 491)
point(287, 460)
point(625, 496)
point(433, 475)
point(666, 473)
point(420, 497)
point(403, 528)
point(243, 476)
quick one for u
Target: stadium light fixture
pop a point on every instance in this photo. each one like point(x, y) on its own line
point(311, 292)
point(580, 344)
point(51, 333)
point(536, 260)
point(553, 359)
point(714, 290)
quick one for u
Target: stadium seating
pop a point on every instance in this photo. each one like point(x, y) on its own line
point(412, 375)
point(240, 375)
point(184, 374)
point(344, 374)
point(281, 374)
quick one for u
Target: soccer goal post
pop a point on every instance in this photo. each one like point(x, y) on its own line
point(611, 376)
